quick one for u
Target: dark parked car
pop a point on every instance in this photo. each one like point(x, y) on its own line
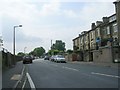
point(46, 57)
point(27, 59)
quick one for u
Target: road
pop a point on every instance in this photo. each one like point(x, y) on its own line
point(46, 74)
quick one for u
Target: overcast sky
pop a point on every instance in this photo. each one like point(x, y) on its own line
point(46, 20)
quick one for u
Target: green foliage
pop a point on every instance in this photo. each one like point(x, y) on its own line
point(50, 52)
point(57, 48)
point(59, 45)
point(53, 52)
point(20, 54)
point(69, 51)
point(32, 53)
point(39, 51)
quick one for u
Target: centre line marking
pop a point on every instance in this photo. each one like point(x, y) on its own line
point(105, 75)
point(54, 65)
point(31, 82)
point(70, 68)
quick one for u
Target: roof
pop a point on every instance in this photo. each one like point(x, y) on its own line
point(75, 38)
point(112, 15)
point(116, 1)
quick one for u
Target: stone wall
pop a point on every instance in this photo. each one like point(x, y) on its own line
point(68, 57)
point(7, 59)
point(103, 55)
point(86, 56)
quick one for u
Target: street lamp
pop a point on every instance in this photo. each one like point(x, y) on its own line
point(14, 41)
point(25, 49)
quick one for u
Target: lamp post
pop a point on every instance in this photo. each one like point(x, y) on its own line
point(25, 49)
point(14, 41)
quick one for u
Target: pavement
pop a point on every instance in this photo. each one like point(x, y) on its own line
point(112, 65)
point(11, 76)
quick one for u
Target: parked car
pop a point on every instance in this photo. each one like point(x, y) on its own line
point(52, 58)
point(27, 59)
point(46, 57)
point(59, 58)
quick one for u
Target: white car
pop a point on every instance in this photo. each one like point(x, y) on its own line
point(59, 58)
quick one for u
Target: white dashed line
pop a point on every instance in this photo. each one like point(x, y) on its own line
point(105, 75)
point(70, 68)
point(54, 65)
point(31, 82)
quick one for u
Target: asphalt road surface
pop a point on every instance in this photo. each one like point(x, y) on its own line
point(46, 74)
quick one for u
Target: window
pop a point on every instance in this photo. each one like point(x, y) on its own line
point(108, 30)
point(98, 31)
point(104, 31)
point(92, 35)
point(82, 40)
point(115, 27)
point(113, 18)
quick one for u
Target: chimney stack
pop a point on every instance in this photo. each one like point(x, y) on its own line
point(105, 19)
point(98, 22)
point(93, 26)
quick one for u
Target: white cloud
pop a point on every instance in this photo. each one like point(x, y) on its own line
point(50, 8)
point(70, 13)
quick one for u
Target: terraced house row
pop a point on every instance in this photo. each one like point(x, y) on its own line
point(102, 42)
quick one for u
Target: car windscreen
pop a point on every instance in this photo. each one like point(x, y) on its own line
point(60, 56)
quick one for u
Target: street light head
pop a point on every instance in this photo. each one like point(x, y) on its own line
point(20, 25)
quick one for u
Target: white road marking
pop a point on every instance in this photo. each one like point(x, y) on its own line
point(31, 82)
point(54, 65)
point(50, 64)
point(20, 78)
point(70, 68)
point(24, 84)
point(105, 75)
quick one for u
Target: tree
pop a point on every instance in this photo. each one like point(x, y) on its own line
point(39, 51)
point(69, 51)
point(53, 52)
point(59, 45)
point(20, 54)
point(32, 53)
